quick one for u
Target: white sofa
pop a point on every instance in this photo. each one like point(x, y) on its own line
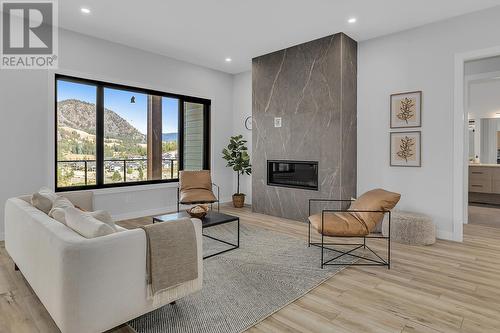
point(87, 285)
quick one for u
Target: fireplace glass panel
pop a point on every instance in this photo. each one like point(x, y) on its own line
point(298, 174)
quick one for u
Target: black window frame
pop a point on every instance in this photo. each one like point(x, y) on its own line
point(100, 86)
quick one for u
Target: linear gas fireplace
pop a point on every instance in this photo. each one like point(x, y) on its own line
point(298, 174)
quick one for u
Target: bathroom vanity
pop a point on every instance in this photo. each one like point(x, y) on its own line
point(484, 183)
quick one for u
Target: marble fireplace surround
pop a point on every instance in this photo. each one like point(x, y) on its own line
point(312, 87)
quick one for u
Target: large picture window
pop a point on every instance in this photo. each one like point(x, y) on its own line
point(114, 135)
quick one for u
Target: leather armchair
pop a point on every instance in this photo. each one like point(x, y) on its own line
point(357, 221)
point(196, 187)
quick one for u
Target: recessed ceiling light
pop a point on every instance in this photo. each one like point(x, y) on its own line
point(85, 10)
point(352, 20)
point(228, 59)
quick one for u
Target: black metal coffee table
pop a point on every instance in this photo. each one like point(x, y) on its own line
point(210, 220)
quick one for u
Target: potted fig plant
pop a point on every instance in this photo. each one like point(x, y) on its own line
point(236, 155)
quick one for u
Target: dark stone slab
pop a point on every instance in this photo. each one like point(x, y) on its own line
point(312, 87)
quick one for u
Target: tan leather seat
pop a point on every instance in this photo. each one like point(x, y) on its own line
point(354, 223)
point(197, 196)
point(339, 224)
point(196, 187)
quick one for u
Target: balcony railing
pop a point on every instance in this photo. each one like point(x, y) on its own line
point(122, 166)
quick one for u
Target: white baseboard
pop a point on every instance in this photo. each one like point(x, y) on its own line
point(226, 200)
point(445, 235)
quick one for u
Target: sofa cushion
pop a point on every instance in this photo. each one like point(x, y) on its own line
point(85, 224)
point(81, 199)
point(374, 200)
point(44, 199)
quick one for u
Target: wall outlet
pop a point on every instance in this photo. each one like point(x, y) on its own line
point(277, 121)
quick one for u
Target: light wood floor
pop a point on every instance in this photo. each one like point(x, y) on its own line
point(447, 287)
point(484, 214)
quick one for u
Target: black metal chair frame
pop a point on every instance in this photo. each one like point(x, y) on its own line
point(194, 203)
point(356, 246)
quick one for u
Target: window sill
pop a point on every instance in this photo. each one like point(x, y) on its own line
point(134, 188)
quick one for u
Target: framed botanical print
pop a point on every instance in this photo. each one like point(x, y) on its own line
point(406, 109)
point(405, 149)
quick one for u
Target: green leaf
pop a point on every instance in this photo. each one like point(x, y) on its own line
point(236, 155)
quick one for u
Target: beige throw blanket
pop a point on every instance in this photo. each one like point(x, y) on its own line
point(172, 255)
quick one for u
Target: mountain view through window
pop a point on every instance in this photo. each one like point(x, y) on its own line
point(132, 151)
point(76, 134)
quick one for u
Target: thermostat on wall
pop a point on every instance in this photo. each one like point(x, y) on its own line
point(277, 121)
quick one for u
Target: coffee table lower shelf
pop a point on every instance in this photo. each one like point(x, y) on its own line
point(210, 220)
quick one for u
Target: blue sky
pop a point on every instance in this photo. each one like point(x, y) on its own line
point(119, 102)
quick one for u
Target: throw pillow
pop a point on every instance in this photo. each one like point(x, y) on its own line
point(44, 199)
point(58, 214)
point(85, 224)
point(104, 217)
point(374, 200)
point(58, 209)
point(62, 202)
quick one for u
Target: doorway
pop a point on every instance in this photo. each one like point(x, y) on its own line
point(461, 139)
point(482, 106)
point(473, 67)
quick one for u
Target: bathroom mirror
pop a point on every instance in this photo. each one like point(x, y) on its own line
point(484, 140)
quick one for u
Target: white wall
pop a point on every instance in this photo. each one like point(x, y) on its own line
point(483, 98)
point(242, 108)
point(486, 65)
point(27, 118)
point(417, 59)
point(488, 138)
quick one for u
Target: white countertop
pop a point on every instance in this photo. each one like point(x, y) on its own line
point(484, 165)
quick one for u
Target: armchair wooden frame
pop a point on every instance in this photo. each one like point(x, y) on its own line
point(194, 202)
point(325, 246)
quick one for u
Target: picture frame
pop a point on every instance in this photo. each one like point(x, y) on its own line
point(405, 149)
point(406, 110)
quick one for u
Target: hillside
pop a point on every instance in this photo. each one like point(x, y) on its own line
point(80, 116)
point(169, 137)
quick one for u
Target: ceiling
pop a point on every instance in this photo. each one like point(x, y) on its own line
point(205, 32)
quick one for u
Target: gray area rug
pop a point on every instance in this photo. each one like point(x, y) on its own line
point(243, 286)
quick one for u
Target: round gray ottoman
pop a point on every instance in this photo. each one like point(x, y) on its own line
point(410, 228)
